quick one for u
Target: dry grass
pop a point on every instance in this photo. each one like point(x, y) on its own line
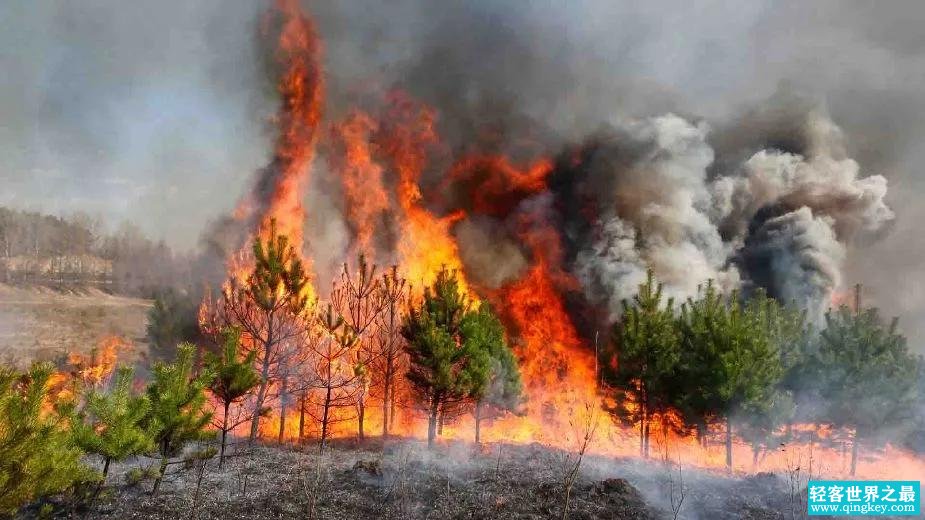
point(42, 323)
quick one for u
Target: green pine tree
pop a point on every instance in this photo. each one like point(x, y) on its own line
point(729, 367)
point(868, 373)
point(38, 455)
point(235, 378)
point(788, 332)
point(111, 423)
point(641, 365)
point(496, 375)
point(268, 308)
point(178, 406)
point(441, 372)
point(172, 319)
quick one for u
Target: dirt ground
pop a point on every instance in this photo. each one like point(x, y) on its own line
point(43, 323)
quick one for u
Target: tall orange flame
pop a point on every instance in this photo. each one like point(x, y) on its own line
point(365, 196)
point(300, 88)
point(425, 244)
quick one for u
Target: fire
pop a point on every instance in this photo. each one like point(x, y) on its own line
point(300, 88)
point(280, 189)
point(96, 367)
point(495, 185)
point(425, 244)
point(365, 196)
point(91, 370)
point(380, 158)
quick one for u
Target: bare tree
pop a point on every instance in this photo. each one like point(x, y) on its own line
point(572, 461)
point(337, 378)
point(393, 291)
point(359, 301)
point(676, 491)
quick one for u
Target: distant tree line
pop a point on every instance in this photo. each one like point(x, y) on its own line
point(39, 248)
point(754, 367)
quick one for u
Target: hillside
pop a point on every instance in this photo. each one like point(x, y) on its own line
point(43, 323)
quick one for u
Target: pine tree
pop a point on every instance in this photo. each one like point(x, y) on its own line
point(111, 423)
point(38, 455)
point(172, 319)
point(270, 308)
point(235, 378)
point(178, 402)
point(868, 373)
point(790, 335)
point(728, 364)
point(642, 363)
point(442, 372)
point(496, 382)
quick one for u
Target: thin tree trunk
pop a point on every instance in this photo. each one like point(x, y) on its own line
point(324, 416)
point(478, 422)
point(644, 430)
point(386, 398)
point(361, 413)
point(161, 470)
point(854, 452)
point(99, 486)
point(221, 454)
point(282, 412)
point(264, 381)
point(392, 407)
point(432, 421)
point(302, 416)
point(642, 436)
point(729, 443)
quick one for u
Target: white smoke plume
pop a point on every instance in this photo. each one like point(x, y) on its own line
point(651, 184)
point(779, 220)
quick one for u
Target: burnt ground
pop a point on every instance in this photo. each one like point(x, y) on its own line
point(404, 480)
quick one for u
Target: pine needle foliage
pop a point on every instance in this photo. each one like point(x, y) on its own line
point(178, 413)
point(111, 424)
point(38, 455)
point(234, 378)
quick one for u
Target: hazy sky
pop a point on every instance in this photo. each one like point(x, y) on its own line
point(156, 112)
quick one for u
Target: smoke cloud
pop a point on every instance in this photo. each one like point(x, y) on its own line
point(780, 148)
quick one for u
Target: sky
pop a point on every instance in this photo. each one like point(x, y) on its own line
point(158, 112)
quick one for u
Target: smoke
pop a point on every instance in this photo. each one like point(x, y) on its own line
point(160, 115)
point(491, 255)
point(647, 181)
point(796, 258)
point(663, 198)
